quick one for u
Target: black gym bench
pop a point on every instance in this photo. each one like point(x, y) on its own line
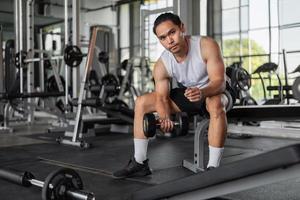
point(264, 113)
point(238, 114)
point(273, 166)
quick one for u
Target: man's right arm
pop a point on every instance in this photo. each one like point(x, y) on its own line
point(162, 89)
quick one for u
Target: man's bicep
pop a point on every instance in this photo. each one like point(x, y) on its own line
point(215, 64)
point(161, 79)
point(162, 87)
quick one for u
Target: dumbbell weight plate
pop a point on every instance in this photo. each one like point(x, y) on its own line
point(183, 124)
point(149, 125)
point(60, 181)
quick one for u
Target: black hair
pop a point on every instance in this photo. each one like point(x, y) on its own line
point(165, 17)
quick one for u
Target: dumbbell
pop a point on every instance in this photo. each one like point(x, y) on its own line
point(60, 184)
point(180, 122)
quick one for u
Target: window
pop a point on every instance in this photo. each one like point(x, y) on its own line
point(257, 31)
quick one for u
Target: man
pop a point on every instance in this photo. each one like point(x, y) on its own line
point(196, 63)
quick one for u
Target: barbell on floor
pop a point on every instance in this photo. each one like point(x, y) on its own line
point(60, 184)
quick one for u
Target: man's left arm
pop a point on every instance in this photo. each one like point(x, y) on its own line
point(211, 54)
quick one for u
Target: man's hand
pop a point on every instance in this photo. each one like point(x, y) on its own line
point(193, 94)
point(166, 125)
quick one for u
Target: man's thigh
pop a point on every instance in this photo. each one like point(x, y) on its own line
point(192, 108)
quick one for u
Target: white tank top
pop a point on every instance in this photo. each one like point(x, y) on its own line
point(192, 72)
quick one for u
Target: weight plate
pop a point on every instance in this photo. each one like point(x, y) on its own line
point(73, 56)
point(51, 84)
point(59, 182)
point(149, 125)
point(243, 79)
point(296, 88)
point(183, 128)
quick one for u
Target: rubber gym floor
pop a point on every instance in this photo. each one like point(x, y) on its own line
point(31, 148)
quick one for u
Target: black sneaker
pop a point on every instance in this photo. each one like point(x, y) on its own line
point(210, 168)
point(133, 169)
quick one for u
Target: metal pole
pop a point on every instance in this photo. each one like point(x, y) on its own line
point(30, 66)
point(16, 21)
point(42, 69)
point(75, 41)
point(41, 65)
point(21, 46)
point(285, 75)
point(66, 43)
point(1, 64)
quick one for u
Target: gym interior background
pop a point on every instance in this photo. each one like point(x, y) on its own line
point(70, 72)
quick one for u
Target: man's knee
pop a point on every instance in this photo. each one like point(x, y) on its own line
point(215, 106)
point(142, 101)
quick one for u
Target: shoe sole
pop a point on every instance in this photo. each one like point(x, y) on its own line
point(141, 174)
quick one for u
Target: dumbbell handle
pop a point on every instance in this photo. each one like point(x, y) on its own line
point(174, 123)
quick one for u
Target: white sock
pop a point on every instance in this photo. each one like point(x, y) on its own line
point(215, 155)
point(140, 149)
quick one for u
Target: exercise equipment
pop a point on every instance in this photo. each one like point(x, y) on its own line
point(270, 68)
point(265, 168)
point(240, 78)
point(279, 113)
point(73, 56)
point(110, 85)
point(61, 184)
point(51, 84)
point(10, 69)
point(21, 59)
point(180, 124)
point(103, 57)
point(296, 88)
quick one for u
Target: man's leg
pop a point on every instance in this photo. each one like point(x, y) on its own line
point(217, 129)
point(139, 165)
point(144, 104)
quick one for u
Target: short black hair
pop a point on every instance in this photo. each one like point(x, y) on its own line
point(165, 17)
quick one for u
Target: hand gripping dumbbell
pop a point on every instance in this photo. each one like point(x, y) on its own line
point(180, 122)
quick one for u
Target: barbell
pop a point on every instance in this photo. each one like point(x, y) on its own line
point(60, 184)
point(72, 57)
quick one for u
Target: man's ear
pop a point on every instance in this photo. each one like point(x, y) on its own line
point(182, 28)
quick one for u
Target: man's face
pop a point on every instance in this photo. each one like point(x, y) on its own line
point(171, 36)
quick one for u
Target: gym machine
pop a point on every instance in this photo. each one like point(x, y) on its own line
point(76, 137)
point(60, 184)
point(276, 113)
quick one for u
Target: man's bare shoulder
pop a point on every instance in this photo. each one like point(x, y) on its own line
point(208, 47)
point(208, 42)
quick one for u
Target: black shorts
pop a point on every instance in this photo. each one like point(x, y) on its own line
point(194, 108)
point(191, 108)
